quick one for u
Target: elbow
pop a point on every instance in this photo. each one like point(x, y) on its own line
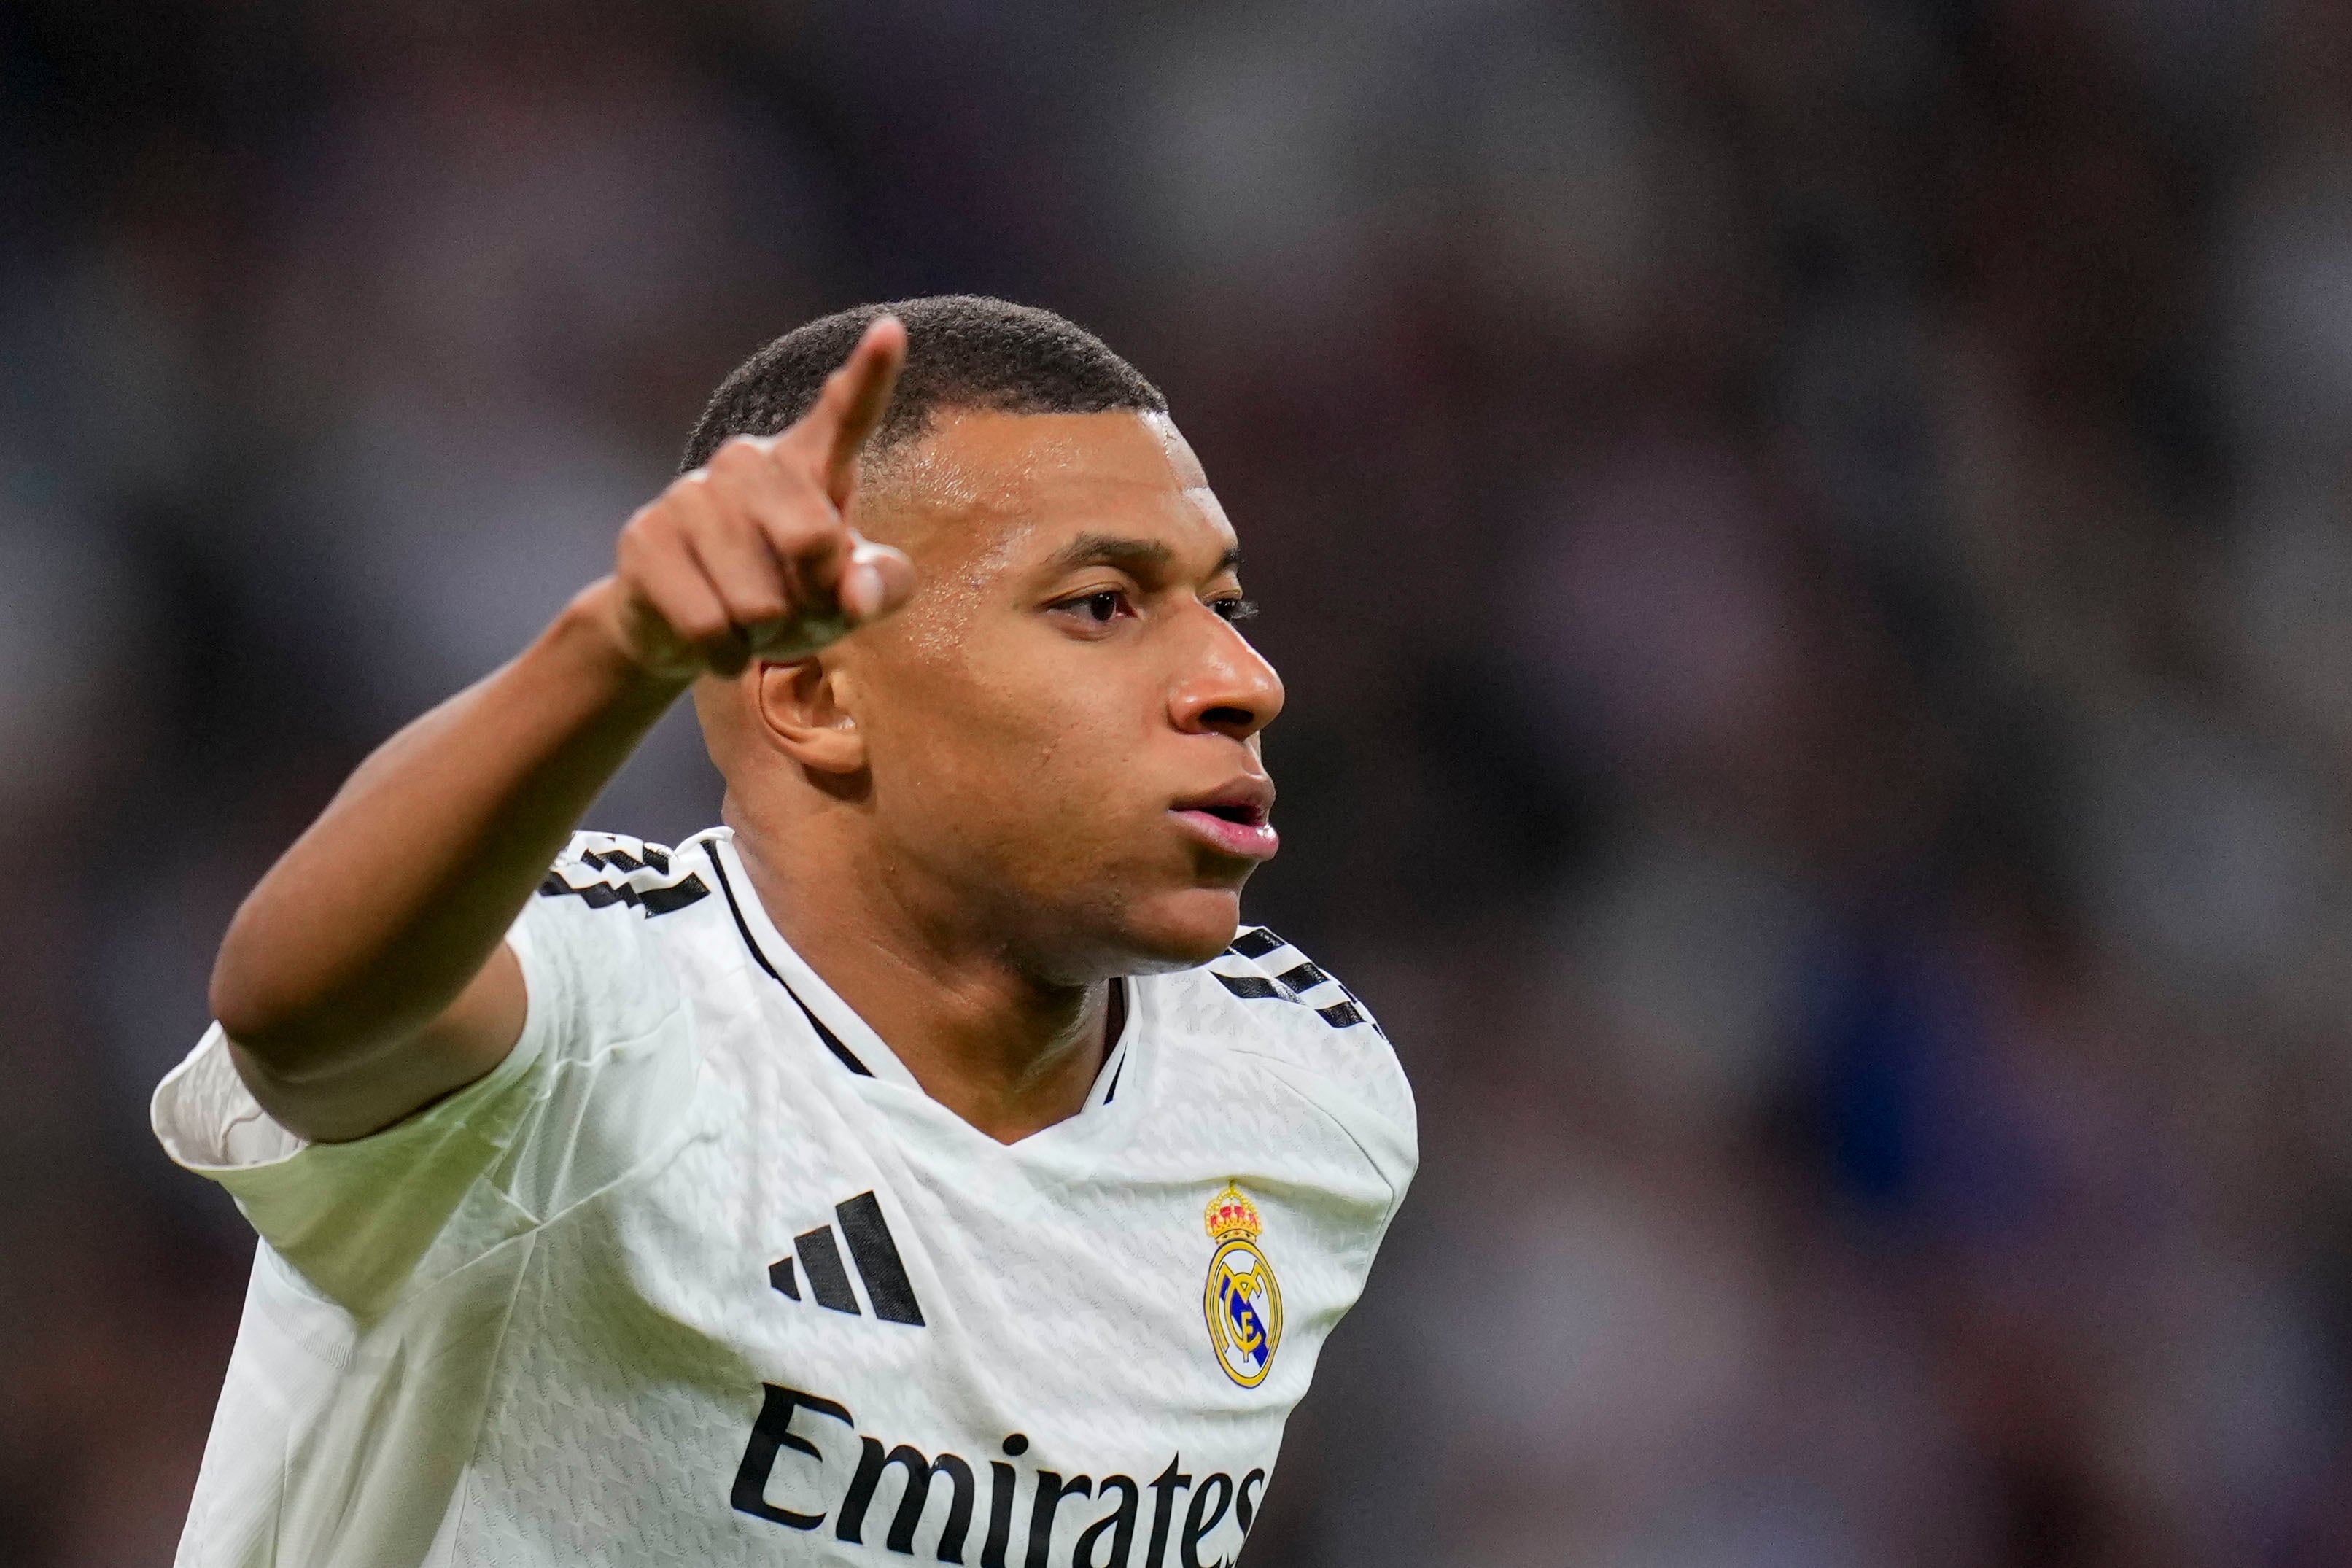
point(268, 1025)
point(240, 1007)
point(238, 999)
point(295, 1027)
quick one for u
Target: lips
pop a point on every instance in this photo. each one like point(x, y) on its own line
point(1232, 819)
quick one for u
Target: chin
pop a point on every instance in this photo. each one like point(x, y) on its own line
point(1181, 931)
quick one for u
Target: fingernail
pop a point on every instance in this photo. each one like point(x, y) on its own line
point(861, 590)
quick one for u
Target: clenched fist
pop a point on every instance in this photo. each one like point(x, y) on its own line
point(751, 556)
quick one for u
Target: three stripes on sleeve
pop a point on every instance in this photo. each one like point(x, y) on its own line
point(625, 871)
point(1291, 979)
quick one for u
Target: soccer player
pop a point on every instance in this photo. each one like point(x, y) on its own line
point(917, 1166)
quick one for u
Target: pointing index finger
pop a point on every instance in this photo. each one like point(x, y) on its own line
point(852, 402)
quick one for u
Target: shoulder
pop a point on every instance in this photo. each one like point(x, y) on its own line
point(616, 936)
point(1264, 1003)
point(613, 871)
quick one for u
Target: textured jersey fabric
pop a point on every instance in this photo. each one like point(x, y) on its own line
point(698, 1275)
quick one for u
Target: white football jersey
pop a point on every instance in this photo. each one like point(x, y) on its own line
point(700, 1275)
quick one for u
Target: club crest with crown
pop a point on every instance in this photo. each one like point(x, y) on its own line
point(1243, 1301)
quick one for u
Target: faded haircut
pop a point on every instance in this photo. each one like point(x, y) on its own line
point(963, 351)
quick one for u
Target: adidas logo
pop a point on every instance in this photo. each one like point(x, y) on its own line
point(871, 1250)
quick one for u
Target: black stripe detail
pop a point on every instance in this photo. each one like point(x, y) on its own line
point(652, 855)
point(780, 1275)
point(822, 1259)
point(1250, 987)
point(1122, 999)
point(847, 1058)
point(832, 1041)
point(604, 895)
point(735, 908)
point(674, 898)
point(1304, 976)
point(876, 1256)
point(1256, 943)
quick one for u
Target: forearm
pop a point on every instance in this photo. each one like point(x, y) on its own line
point(383, 911)
point(363, 978)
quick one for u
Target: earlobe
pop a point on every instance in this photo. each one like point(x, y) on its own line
point(801, 709)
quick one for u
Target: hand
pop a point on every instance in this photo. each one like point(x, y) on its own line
point(750, 556)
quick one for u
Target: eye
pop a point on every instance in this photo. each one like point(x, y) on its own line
point(1234, 609)
point(1097, 609)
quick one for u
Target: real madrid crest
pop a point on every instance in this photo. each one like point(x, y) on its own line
point(1243, 1301)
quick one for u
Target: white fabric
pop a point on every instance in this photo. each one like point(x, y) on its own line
point(536, 1324)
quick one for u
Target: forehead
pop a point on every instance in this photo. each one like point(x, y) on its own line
point(1015, 486)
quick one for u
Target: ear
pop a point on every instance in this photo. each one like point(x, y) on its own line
point(801, 708)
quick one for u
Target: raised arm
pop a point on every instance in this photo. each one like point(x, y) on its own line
point(367, 975)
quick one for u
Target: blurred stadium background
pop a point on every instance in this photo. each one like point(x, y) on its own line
point(1809, 543)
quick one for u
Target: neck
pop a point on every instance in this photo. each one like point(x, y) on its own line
point(1006, 1051)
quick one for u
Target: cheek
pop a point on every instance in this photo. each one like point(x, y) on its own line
point(1051, 767)
point(1057, 753)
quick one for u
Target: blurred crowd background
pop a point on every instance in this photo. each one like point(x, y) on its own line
point(1808, 539)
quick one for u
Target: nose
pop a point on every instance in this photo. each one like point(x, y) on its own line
point(1226, 686)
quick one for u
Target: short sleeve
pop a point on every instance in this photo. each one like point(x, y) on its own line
point(1311, 1031)
point(591, 1084)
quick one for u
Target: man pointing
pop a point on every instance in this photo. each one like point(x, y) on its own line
point(923, 1163)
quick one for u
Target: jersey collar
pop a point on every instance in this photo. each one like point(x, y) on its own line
point(853, 1044)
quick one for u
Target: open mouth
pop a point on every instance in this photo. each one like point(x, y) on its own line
point(1234, 820)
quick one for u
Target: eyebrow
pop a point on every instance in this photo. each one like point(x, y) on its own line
point(1138, 557)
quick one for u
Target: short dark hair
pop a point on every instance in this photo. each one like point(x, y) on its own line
point(963, 350)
